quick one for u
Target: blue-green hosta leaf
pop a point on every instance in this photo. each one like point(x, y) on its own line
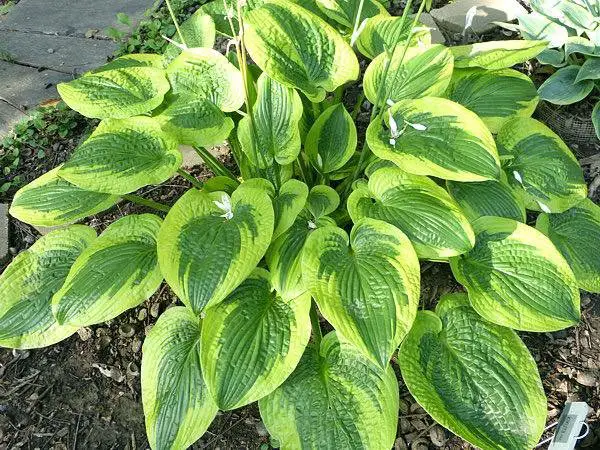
point(552, 57)
point(516, 278)
point(562, 87)
point(28, 284)
point(331, 141)
point(254, 341)
point(133, 60)
point(590, 70)
point(194, 121)
point(116, 93)
point(596, 118)
point(424, 72)
point(579, 44)
point(177, 405)
point(123, 155)
point(335, 399)
point(537, 160)
point(344, 12)
point(272, 134)
point(198, 31)
point(571, 13)
point(576, 235)
point(116, 272)
point(366, 285)
point(473, 377)
point(494, 95)
point(488, 198)
point(535, 26)
point(417, 206)
point(438, 137)
point(49, 200)
point(383, 32)
point(210, 242)
point(298, 49)
point(288, 204)
point(496, 54)
point(205, 73)
point(322, 200)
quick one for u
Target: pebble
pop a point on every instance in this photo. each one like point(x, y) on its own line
point(132, 370)
point(399, 444)
point(126, 330)
point(12, 250)
point(136, 345)
point(437, 436)
point(50, 50)
point(84, 333)
point(419, 444)
point(261, 429)
point(142, 314)
point(155, 310)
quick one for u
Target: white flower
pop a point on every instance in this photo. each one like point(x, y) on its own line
point(394, 132)
point(543, 207)
point(517, 176)
point(390, 102)
point(176, 44)
point(469, 18)
point(416, 126)
point(312, 225)
point(359, 30)
point(225, 206)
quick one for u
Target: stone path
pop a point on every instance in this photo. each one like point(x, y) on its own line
point(43, 42)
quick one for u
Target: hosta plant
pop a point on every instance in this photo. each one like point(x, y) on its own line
point(322, 227)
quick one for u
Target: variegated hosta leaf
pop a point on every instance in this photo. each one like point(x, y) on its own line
point(198, 31)
point(572, 13)
point(222, 12)
point(494, 95)
point(417, 206)
point(210, 242)
point(28, 284)
point(116, 93)
point(116, 272)
point(344, 12)
point(322, 200)
point(473, 377)
point(331, 141)
point(205, 73)
point(576, 235)
point(488, 198)
point(122, 156)
point(194, 121)
point(133, 60)
point(288, 204)
point(284, 256)
point(49, 200)
point(272, 134)
point(424, 72)
point(516, 278)
point(254, 341)
point(335, 399)
point(366, 285)
point(496, 54)
point(537, 160)
point(563, 87)
point(438, 137)
point(590, 70)
point(299, 49)
point(383, 32)
point(177, 405)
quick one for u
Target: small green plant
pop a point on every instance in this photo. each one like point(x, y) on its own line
point(316, 226)
point(572, 28)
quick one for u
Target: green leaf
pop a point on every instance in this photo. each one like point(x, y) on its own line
point(116, 93)
point(436, 137)
point(496, 54)
point(194, 121)
point(272, 134)
point(132, 60)
point(335, 399)
point(386, 32)
point(331, 141)
point(322, 200)
point(344, 12)
point(28, 284)
point(207, 74)
point(424, 72)
point(218, 11)
point(366, 285)
point(575, 233)
point(488, 198)
point(288, 204)
point(538, 161)
point(495, 96)
point(473, 377)
point(562, 87)
point(596, 118)
point(49, 201)
point(418, 207)
point(590, 70)
point(116, 272)
point(210, 242)
point(198, 31)
point(122, 156)
point(298, 49)
point(254, 341)
point(516, 278)
point(177, 405)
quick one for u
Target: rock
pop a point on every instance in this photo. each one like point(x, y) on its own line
point(436, 35)
point(84, 333)
point(142, 314)
point(126, 330)
point(437, 436)
point(50, 50)
point(419, 444)
point(190, 157)
point(452, 16)
point(109, 372)
point(136, 345)
point(399, 444)
point(586, 379)
point(3, 231)
point(155, 310)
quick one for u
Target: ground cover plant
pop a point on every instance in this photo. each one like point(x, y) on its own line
point(316, 226)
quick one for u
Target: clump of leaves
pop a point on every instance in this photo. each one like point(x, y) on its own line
point(316, 226)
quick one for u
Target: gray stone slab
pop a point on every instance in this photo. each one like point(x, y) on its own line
point(436, 35)
point(9, 116)
point(72, 17)
point(3, 231)
point(452, 16)
point(61, 53)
